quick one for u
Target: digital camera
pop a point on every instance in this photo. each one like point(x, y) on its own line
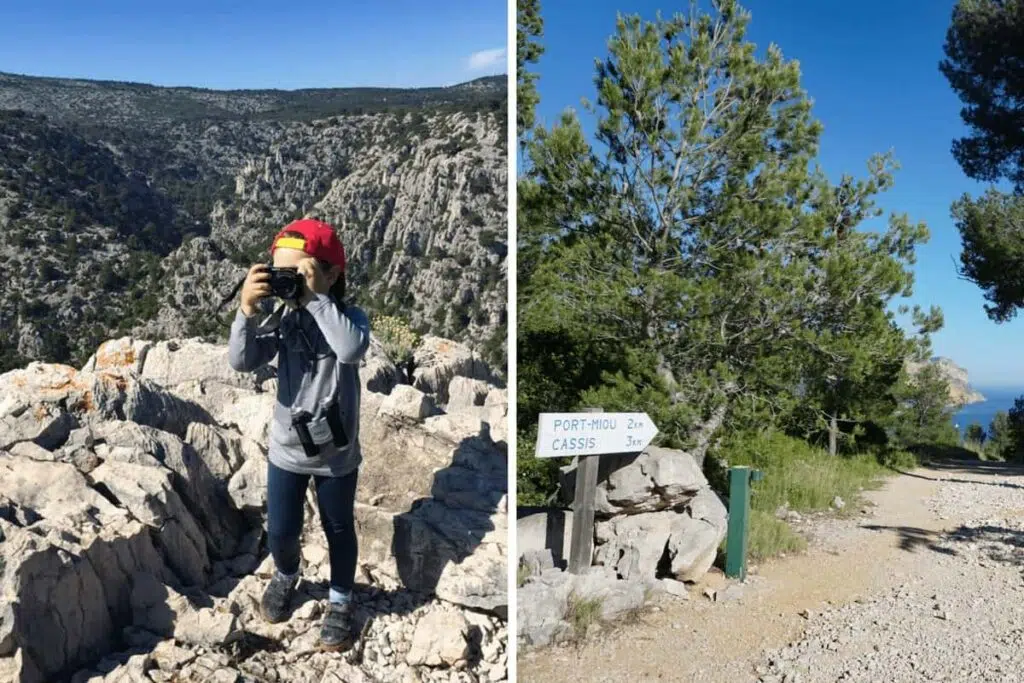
point(285, 283)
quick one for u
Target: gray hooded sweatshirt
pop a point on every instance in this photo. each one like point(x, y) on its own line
point(319, 348)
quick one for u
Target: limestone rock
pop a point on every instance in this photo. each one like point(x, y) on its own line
point(119, 355)
point(657, 479)
point(960, 391)
point(457, 428)
point(205, 495)
point(19, 669)
point(545, 602)
point(70, 580)
point(32, 450)
point(222, 452)
point(496, 396)
point(439, 640)
point(250, 413)
point(148, 493)
point(7, 642)
point(399, 464)
point(171, 657)
point(406, 402)
point(114, 531)
point(452, 544)
point(248, 486)
point(378, 372)
point(51, 490)
point(464, 392)
point(158, 608)
point(45, 425)
point(634, 545)
point(175, 362)
point(708, 506)
point(39, 393)
point(550, 530)
point(536, 562)
point(438, 361)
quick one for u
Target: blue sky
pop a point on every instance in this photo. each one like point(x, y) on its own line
point(259, 44)
point(872, 70)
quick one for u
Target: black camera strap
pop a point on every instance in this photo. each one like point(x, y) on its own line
point(229, 297)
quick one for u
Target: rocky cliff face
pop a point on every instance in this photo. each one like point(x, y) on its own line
point(132, 208)
point(132, 494)
point(960, 391)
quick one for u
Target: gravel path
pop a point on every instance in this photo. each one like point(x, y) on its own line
point(925, 584)
point(959, 618)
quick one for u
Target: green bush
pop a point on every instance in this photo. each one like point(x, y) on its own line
point(399, 341)
point(770, 536)
point(798, 475)
point(1000, 443)
point(536, 478)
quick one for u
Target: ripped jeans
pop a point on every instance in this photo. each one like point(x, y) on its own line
point(336, 498)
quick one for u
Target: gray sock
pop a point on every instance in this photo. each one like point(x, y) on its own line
point(339, 596)
point(290, 578)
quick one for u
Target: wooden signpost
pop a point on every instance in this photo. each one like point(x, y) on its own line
point(585, 436)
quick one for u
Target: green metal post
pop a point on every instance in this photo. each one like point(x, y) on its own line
point(739, 521)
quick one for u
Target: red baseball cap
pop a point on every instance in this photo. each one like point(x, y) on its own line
point(318, 240)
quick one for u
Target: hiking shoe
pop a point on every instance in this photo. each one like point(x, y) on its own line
point(336, 629)
point(277, 598)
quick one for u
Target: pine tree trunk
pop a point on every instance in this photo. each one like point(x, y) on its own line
point(833, 435)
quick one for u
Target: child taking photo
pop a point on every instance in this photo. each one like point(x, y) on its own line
point(319, 341)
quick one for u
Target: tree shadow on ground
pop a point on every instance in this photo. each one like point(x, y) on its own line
point(959, 464)
point(912, 539)
point(999, 544)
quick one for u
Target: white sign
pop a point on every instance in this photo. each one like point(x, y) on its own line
point(563, 435)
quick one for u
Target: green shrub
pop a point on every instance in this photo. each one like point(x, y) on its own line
point(770, 536)
point(799, 475)
point(582, 613)
point(399, 340)
point(537, 478)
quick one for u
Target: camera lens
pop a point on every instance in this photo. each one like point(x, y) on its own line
point(286, 283)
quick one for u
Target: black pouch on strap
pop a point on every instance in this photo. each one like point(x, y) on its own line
point(301, 424)
point(337, 426)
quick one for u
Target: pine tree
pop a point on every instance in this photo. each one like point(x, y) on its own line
point(692, 251)
point(984, 65)
point(529, 27)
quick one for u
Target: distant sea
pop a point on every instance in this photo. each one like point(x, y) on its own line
point(983, 413)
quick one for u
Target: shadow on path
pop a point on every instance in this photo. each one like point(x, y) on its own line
point(969, 466)
point(913, 539)
point(997, 543)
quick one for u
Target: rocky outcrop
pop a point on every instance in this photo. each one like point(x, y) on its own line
point(658, 526)
point(553, 603)
point(439, 362)
point(132, 495)
point(655, 510)
point(960, 391)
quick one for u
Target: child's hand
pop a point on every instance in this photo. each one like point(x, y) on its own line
point(315, 280)
point(255, 289)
